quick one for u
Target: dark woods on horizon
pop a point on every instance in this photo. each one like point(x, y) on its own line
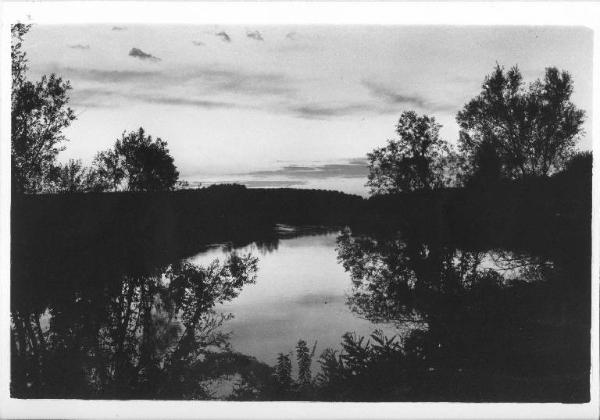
point(484, 249)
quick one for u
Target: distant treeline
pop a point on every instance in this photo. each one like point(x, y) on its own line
point(73, 235)
point(136, 226)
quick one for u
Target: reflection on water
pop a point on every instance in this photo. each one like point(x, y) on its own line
point(150, 339)
point(300, 293)
point(395, 279)
point(497, 322)
point(453, 323)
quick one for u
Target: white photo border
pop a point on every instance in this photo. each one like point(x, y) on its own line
point(512, 13)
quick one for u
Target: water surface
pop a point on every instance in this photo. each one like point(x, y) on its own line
point(300, 293)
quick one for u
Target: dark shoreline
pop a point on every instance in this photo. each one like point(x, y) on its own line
point(526, 214)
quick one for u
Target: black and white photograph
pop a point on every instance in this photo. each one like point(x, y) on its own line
point(311, 212)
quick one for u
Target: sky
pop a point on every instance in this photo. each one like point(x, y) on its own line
point(285, 106)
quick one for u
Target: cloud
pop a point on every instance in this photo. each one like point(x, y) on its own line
point(271, 183)
point(320, 111)
point(352, 168)
point(242, 82)
point(223, 35)
point(296, 43)
point(358, 161)
point(102, 98)
point(185, 85)
point(79, 47)
point(137, 53)
point(255, 36)
point(258, 183)
point(295, 48)
point(198, 43)
point(394, 98)
point(91, 97)
point(182, 101)
point(106, 76)
point(204, 80)
point(119, 28)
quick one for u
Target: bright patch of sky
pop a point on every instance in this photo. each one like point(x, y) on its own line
point(254, 104)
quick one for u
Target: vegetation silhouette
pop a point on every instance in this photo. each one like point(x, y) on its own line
point(418, 160)
point(532, 130)
point(73, 176)
point(139, 336)
point(39, 113)
point(136, 163)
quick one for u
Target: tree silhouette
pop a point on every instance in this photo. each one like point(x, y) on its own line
point(283, 372)
point(108, 170)
point(73, 176)
point(365, 370)
point(416, 161)
point(39, 113)
point(531, 129)
point(304, 357)
point(137, 162)
point(487, 166)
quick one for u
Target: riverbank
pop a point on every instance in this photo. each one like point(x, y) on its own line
point(525, 214)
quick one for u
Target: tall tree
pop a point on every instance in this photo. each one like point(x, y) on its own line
point(137, 162)
point(304, 357)
point(528, 130)
point(39, 113)
point(415, 161)
point(283, 372)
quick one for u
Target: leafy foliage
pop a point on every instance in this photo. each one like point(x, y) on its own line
point(283, 372)
point(365, 370)
point(285, 387)
point(579, 167)
point(39, 114)
point(72, 177)
point(304, 357)
point(137, 162)
point(416, 161)
point(356, 373)
point(523, 130)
